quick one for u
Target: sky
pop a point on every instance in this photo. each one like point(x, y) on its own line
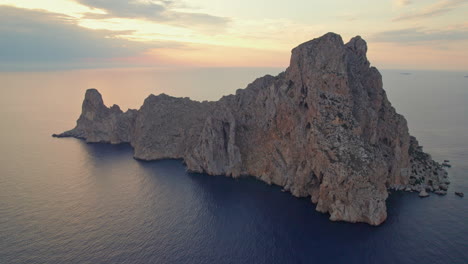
point(68, 34)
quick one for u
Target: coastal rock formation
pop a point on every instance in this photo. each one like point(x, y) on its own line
point(323, 129)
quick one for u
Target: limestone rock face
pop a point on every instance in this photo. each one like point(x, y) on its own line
point(166, 127)
point(97, 123)
point(323, 129)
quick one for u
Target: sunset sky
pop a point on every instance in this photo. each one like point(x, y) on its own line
point(51, 34)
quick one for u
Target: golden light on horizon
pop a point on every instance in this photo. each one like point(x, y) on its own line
point(215, 56)
point(402, 34)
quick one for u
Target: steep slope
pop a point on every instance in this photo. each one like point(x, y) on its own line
point(324, 128)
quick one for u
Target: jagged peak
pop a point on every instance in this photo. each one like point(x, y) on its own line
point(358, 45)
point(332, 40)
point(356, 42)
point(93, 100)
point(323, 54)
point(329, 37)
point(164, 96)
point(92, 93)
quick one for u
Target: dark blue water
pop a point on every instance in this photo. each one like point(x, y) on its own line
point(65, 201)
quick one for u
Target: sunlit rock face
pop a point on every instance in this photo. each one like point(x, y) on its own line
point(323, 129)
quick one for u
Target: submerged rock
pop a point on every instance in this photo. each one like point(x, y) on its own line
point(443, 187)
point(440, 192)
point(323, 129)
point(423, 193)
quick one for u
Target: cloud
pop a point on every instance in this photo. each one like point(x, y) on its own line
point(438, 8)
point(35, 37)
point(155, 11)
point(401, 3)
point(420, 34)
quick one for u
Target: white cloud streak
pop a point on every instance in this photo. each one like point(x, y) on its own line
point(438, 8)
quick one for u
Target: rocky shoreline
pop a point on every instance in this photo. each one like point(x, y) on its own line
point(421, 163)
point(322, 129)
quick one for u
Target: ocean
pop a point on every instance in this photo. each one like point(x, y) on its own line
point(65, 201)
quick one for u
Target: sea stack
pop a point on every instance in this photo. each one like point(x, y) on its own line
point(323, 129)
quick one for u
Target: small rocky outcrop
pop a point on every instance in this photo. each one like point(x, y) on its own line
point(423, 193)
point(322, 129)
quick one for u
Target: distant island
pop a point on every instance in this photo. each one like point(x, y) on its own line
point(323, 129)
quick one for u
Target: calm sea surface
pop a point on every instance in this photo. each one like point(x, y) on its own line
point(65, 201)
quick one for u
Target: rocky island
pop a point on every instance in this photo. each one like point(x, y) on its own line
point(323, 129)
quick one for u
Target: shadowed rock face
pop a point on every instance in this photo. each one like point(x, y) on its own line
point(324, 128)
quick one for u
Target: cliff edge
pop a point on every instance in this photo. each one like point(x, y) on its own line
point(323, 129)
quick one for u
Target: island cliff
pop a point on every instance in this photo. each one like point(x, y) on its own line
point(323, 129)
